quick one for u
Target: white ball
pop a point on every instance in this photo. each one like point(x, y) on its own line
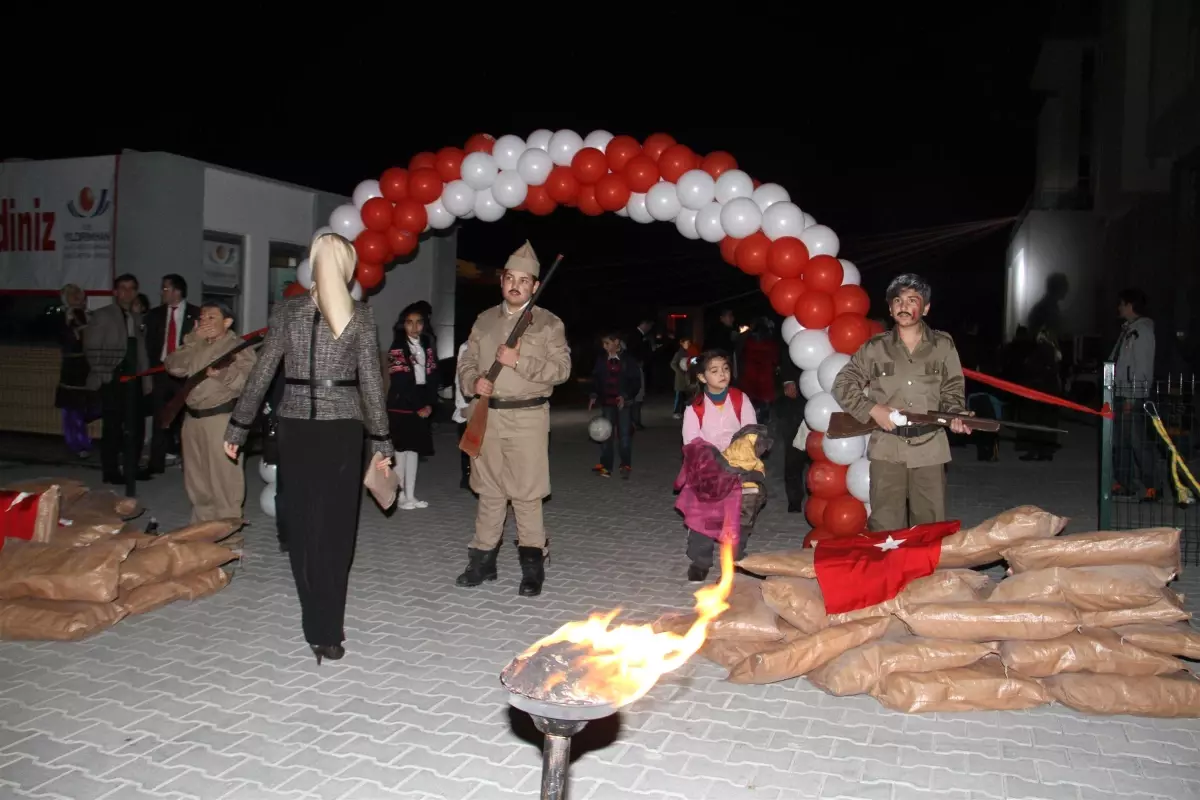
point(696, 189)
point(458, 197)
point(266, 500)
point(440, 217)
point(268, 472)
point(829, 369)
point(563, 146)
point(304, 274)
point(598, 139)
point(740, 217)
point(708, 223)
point(858, 480)
point(356, 291)
point(844, 451)
point(622, 212)
point(783, 218)
point(510, 188)
point(809, 348)
point(486, 207)
point(534, 166)
point(820, 240)
point(539, 139)
point(810, 384)
point(507, 149)
point(790, 327)
point(365, 191)
point(685, 223)
point(850, 274)
point(809, 220)
point(818, 410)
point(662, 201)
point(734, 183)
point(636, 207)
point(321, 231)
point(346, 220)
point(599, 429)
point(769, 194)
point(479, 170)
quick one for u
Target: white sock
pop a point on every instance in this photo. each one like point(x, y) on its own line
point(410, 475)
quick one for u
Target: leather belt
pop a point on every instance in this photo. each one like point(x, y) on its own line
point(224, 408)
point(321, 384)
point(532, 402)
point(913, 431)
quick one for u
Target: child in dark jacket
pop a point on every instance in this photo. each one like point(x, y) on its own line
point(616, 380)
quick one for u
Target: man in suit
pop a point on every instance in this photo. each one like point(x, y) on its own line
point(114, 346)
point(166, 325)
point(789, 413)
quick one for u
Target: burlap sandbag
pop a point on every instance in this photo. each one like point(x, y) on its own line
point(101, 503)
point(1085, 650)
point(82, 535)
point(151, 596)
point(1086, 588)
point(987, 622)
point(1154, 696)
point(797, 600)
point(69, 489)
point(729, 652)
point(55, 620)
point(1179, 639)
point(859, 670)
point(793, 659)
point(211, 531)
point(984, 543)
point(788, 563)
point(983, 686)
point(52, 572)
point(1167, 609)
point(170, 561)
point(1155, 547)
point(748, 618)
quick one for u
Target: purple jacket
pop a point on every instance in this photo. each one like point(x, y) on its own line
point(710, 495)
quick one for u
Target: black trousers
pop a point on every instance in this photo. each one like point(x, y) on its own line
point(622, 433)
point(118, 422)
point(320, 486)
point(702, 550)
point(164, 441)
point(789, 414)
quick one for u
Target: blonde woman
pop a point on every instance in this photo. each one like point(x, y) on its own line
point(327, 342)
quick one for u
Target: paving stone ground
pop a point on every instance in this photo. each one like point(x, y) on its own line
point(221, 699)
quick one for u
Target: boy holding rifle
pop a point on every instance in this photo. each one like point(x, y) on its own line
point(513, 464)
point(913, 369)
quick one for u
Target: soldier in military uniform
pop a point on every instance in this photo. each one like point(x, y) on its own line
point(513, 463)
point(912, 368)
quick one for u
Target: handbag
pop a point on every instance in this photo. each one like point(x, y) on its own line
point(384, 488)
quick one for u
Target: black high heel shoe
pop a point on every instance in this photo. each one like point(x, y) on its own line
point(333, 652)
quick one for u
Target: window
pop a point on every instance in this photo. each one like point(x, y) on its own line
point(224, 257)
point(284, 258)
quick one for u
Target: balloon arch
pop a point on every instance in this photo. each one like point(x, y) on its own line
point(757, 226)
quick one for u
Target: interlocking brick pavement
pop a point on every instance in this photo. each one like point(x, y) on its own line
point(221, 698)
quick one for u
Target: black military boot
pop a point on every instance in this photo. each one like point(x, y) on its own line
point(533, 572)
point(481, 566)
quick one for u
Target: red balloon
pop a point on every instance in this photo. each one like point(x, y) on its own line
point(767, 282)
point(394, 184)
point(851, 299)
point(817, 535)
point(294, 289)
point(368, 274)
point(845, 516)
point(410, 215)
point(402, 242)
point(539, 202)
point(676, 160)
point(589, 165)
point(620, 149)
point(876, 327)
point(372, 247)
point(814, 510)
point(824, 273)
point(424, 185)
point(718, 161)
point(826, 479)
point(422, 160)
point(480, 143)
point(848, 332)
point(787, 258)
point(656, 143)
point(729, 250)
point(449, 163)
point(377, 214)
point(752, 253)
point(640, 173)
point(562, 185)
point(611, 192)
point(587, 201)
point(812, 446)
point(785, 294)
point(814, 309)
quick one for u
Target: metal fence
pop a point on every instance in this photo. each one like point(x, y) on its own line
point(1137, 489)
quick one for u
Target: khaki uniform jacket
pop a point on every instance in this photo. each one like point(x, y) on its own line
point(928, 380)
point(544, 361)
point(195, 353)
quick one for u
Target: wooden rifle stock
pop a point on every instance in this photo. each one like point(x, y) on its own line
point(170, 411)
point(472, 438)
point(844, 426)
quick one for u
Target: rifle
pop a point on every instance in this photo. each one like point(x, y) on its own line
point(171, 410)
point(844, 426)
point(472, 438)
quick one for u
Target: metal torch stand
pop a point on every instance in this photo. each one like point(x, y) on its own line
point(556, 753)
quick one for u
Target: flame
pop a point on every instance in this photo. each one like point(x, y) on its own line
point(623, 663)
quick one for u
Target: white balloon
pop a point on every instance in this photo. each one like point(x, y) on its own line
point(850, 274)
point(479, 170)
point(809, 220)
point(563, 146)
point(637, 208)
point(769, 194)
point(599, 429)
point(470, 214)
point(858, 481)
point(740, 217)
point(801, 440)
point(534, 166)
point(356, 291)
point(486, 207)
point(844, 451)
point(365, 191)
point(696, 189)
point(734, 183)
point(809, 348)
point(708, 223)
point(510, 188)
point(268, 472)
point(686, 223)
point(507, 149)
point(622, 212)
point(304, 274)
point(347, 221)
point(810, 384)
point(266, 500)
point(459, 198)
point(783, 218)
point(440, 217)
point(818, 410)
point(662, 201)
point(321, 231)
point(830, 368)
point(539, 139)
point(820, 240)
point(598, 139)
point(790, 327)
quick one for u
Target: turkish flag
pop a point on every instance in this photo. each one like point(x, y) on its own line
point(859, 571)
point(18, 515)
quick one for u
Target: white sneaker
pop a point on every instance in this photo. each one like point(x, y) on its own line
point(407, 505)
point(419, 503)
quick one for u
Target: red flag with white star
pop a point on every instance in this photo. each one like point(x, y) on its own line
point(860, 571)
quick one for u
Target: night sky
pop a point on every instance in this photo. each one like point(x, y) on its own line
point(926, 120)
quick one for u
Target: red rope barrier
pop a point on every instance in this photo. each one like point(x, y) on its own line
point(159, 368)
point(1035, 395)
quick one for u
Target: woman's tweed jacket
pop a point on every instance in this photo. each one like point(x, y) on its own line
point(298, 335)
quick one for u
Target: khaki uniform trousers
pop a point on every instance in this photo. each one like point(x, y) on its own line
point(513, 466)
point(215, 485)
point(903, 496)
